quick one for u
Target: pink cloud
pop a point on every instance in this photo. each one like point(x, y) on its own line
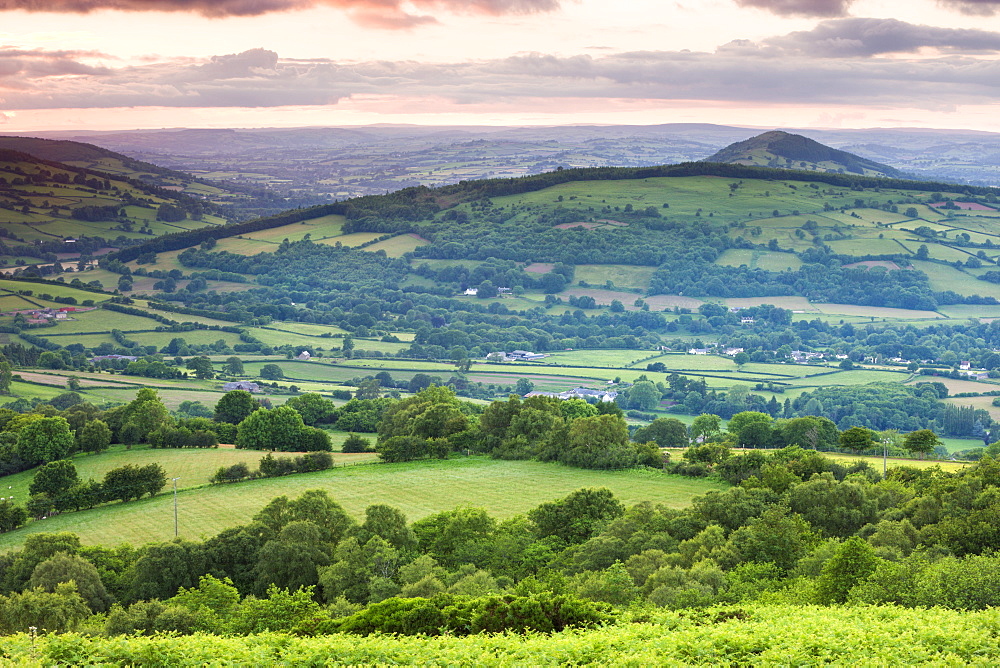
point(386, 14)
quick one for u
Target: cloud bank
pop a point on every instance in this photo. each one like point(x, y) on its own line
point(870, 37)
point(374, 13)
point(840, 8)
point(862, 62)
point(815, 8)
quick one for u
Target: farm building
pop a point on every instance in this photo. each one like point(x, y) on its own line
point(524, 356)
point(241, 385)
point(305, 355)
point(578, 393)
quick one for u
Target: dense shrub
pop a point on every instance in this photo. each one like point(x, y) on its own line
point(461, 615)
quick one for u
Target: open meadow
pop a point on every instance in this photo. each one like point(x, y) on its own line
point(504, 488)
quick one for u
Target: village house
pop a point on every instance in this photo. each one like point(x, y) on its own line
point(304, 356)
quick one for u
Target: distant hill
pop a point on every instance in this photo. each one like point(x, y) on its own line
point(52, 210)
point(783, 150)
point(95, 158)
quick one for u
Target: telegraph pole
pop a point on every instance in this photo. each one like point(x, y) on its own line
point(175, 507)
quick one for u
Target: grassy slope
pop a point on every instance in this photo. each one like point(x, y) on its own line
point(418, 488)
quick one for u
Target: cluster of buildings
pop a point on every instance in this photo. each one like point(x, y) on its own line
point(516, 356)
point(43, 315)
point(241, 385)
point(501, 292)
point(578, 393)
point(101, 358)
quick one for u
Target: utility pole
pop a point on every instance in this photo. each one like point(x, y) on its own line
point(175, 507)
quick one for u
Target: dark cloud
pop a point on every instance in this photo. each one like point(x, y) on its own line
point(388, 14)
point(840, 38)
point(817, 8)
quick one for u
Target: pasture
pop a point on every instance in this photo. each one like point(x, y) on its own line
point(101, 320)
point(956, 385)
point(758, 259)
point(621, 275)
point(323, 227)
point(505, 488)
point(398, 246)
point(51, 289)
point(985, 403)
point(352, 240)
point(306, 328)
point(875, 312)
point(946, 277)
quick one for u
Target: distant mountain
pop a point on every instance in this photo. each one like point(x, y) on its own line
point(784, 150)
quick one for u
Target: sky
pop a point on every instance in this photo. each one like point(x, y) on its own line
point(122, 64)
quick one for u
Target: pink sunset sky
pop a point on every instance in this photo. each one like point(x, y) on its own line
point(114, 64)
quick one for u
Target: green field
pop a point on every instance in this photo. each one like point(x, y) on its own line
point(621, 275)
point(192, 467)
point(505, 488)
point(53, 289)
point(398, 246)
point(757, 259)
point(101, 320)
point(946, 277)
point(355, 239)
point(317, 228)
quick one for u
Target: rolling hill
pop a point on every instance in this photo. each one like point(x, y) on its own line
point(783, 150)
point(53, 211)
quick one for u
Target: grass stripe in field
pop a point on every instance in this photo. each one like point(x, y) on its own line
point(504, 488)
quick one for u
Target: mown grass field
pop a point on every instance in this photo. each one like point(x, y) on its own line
point(956, 385)
point(985, 403)
point(398, 246)
point(504, 488)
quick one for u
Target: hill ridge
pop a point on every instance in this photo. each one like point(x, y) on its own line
point(783, 150)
